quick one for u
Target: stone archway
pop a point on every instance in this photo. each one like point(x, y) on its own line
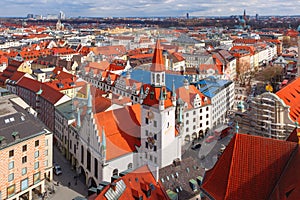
point(187, 138)
point(91, 182)
point(201, 134)
point(194, 136)
point(81, 174)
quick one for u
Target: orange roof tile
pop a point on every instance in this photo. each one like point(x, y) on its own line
point(249, 168)
point(152, 99)
point(188, 95)
point(290, 94)
point(137, 183)
point(122, 130)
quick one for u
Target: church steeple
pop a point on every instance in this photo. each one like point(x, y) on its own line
point(158, 67)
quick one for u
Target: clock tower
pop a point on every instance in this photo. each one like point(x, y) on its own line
point(160, 143)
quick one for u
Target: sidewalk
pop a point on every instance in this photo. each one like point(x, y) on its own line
point(63, 191)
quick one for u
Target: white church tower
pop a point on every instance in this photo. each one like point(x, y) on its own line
point(160, 143)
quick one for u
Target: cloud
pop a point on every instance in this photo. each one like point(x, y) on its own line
point(121, 8)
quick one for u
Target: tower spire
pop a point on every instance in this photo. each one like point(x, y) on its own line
point(78, 118)
point(89, 100)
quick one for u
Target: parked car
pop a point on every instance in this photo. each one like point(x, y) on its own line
point(57, 169)
point(209, 139)
point(196, 146)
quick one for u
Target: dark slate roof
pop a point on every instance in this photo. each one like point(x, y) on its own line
point(15, 119)
point(187, 170)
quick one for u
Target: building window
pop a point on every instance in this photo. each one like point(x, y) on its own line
point(146, 132)
point(36, 143)
point(187, 122)
point(201, 110)
point(10, 177)
point(194, 127)
point(187, 129)
point(46, 163)
point(207, 122)
point(146, 144)
point(24, 170)
point(155, 123)
point(155, 160)
point(206, 108)
point(187, 115)
point(11, 165)
point(194, 112)
point(24, 159)
point(36, 165)
point(151, 157)
point(36, 154)
point(46, 142)
point(194, 120)
point(36, 177)
point(206, 115)
point(115, 172)
point(129, 166)
point(200, 117)
point(24, 148)
point(24, 184)
point(88, 160)
point(82, 154)
point(96, 167)
point(11, 153)
point(46, 153)
point(11, 191)
point(146, 120)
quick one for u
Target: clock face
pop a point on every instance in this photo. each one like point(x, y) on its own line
point(150, 114)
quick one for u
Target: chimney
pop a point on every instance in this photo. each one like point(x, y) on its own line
point(16, 135)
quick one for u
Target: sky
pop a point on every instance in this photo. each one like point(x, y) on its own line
point(147, 8)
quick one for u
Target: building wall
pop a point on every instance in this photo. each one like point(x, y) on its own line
point(161, 129)
point(43, 159)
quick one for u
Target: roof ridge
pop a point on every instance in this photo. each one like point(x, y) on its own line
point(231, 163)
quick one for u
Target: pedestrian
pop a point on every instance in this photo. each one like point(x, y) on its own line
point(69, 184)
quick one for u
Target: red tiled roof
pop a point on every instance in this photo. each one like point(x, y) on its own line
point(158, 64)
point(136, 183)
point(288, 187)
point(249, 168)
point(188, 95)
point(60, 74)
point(290, 94)
point(122, 130)
point(17, 76)
point(49, 94)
